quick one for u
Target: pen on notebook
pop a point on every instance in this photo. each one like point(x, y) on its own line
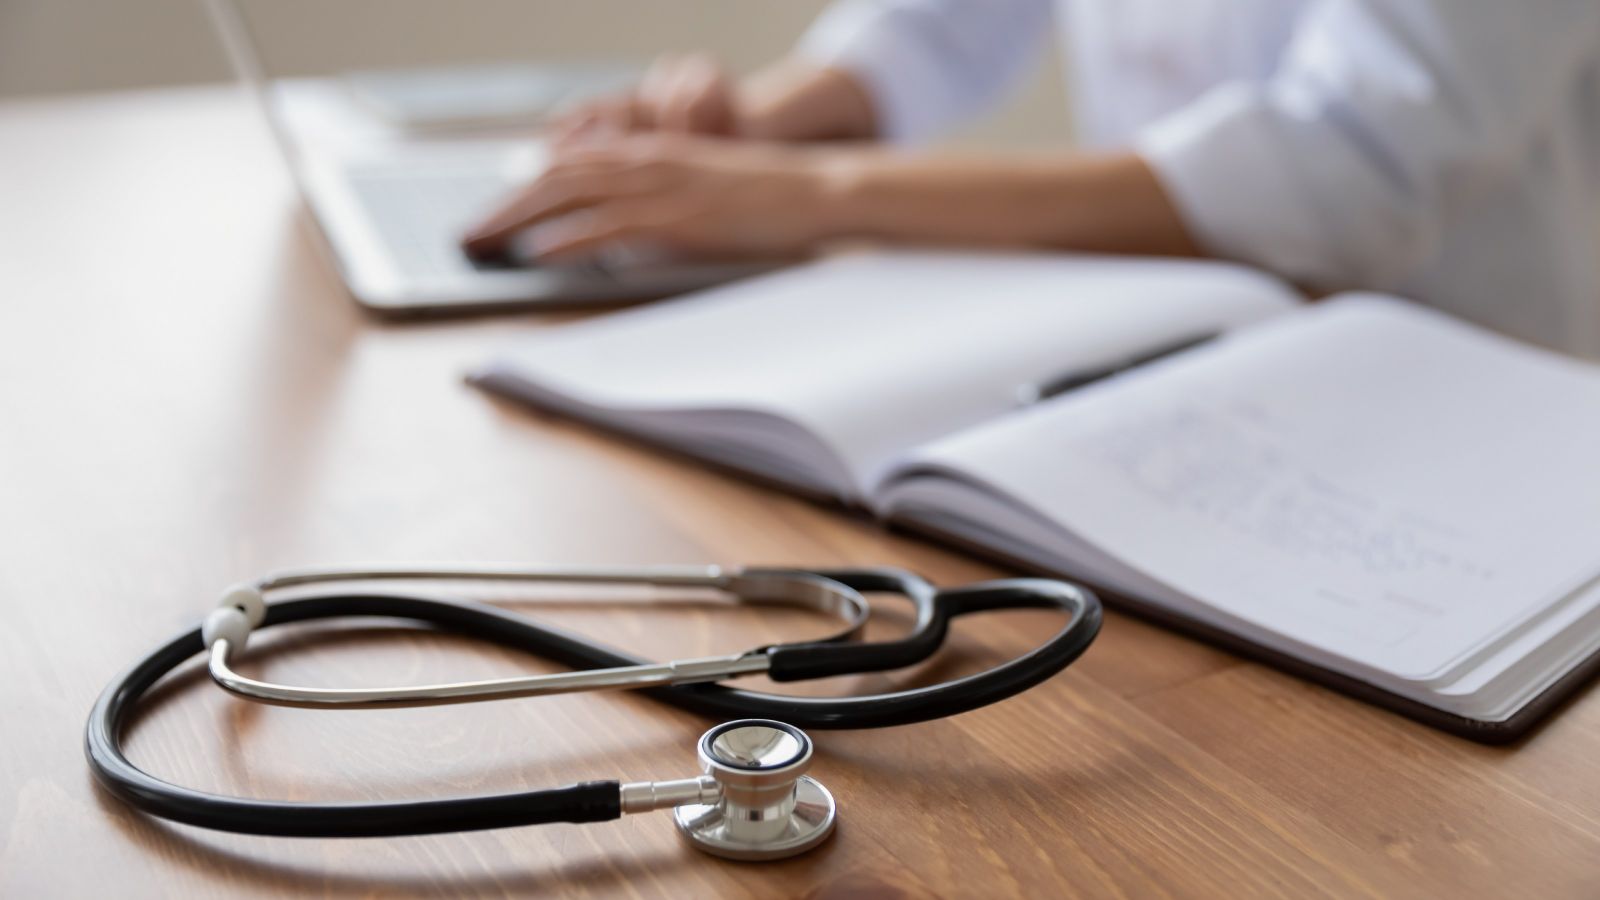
point(1044, 390)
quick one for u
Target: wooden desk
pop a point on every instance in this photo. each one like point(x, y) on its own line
point(187, 398)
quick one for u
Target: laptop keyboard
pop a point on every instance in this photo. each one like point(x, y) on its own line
point(419, 218)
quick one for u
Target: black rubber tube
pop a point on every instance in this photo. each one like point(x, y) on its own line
point(591, 801)
point(588, 802)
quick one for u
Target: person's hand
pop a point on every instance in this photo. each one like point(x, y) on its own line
point(681, 94)
point(689, 196)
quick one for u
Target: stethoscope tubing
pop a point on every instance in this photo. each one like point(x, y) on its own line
point(591, 801)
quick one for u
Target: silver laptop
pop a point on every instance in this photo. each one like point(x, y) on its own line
point(392, 204)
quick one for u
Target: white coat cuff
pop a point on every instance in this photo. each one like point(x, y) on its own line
point(1223, 165)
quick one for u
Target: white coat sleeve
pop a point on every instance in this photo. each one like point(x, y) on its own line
point(928, 64)
point(1382, 118)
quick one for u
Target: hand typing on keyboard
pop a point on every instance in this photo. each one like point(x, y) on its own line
point(675, 195)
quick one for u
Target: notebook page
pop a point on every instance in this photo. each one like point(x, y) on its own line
point(1363, 477)
point(878, 353)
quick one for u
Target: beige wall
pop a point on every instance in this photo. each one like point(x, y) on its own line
point(88, 45)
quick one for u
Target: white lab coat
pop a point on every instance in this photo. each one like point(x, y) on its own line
point(1445, 150)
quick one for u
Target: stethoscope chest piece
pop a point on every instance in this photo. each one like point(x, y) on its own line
point(767, 808)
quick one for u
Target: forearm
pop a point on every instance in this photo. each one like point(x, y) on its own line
point(794, 101)
point(1094, 203)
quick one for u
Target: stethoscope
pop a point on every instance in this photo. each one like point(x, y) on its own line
point(753, 799)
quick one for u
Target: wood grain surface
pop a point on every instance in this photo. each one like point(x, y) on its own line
point(187, 398)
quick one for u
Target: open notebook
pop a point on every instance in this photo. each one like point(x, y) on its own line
point(1360, 490)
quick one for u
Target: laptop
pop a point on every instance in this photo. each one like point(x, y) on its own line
point(391, 205)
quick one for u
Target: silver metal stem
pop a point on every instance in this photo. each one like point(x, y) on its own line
point(779, 587)
point(775, 587)
point(644, 796)
point(663, 576)
point(681, 671)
